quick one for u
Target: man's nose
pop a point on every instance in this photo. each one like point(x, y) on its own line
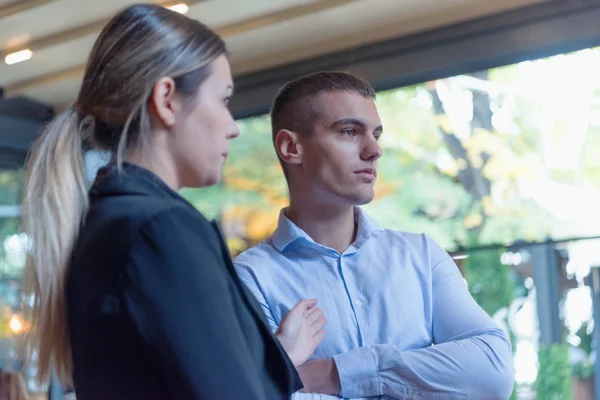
point(371, 150)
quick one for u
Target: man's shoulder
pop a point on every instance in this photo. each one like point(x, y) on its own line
point(420, 246)
point(416, 244)
point(393, 236)
point(256, 255)
point(261, 264)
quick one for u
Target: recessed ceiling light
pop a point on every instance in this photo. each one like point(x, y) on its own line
point(181, 8)
point(18, 57)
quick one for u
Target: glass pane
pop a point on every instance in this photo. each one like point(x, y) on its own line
point(12, 262)
point(12, 323)
point(491, 157)
point(11, 187)
point(494, 156)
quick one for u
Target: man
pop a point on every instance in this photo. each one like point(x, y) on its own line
point(402, 323)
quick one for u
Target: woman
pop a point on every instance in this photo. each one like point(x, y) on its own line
point(134, 292)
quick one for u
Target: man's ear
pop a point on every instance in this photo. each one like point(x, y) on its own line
point(164, 103)
point(288, 146)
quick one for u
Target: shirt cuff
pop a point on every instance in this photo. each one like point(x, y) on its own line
point(358, 373)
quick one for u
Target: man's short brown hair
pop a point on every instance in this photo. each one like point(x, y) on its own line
point(294, 107)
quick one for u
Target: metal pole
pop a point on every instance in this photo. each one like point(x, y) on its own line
point(594, 283)
point(545, 277)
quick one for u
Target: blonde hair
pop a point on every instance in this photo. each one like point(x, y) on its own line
point(12, 386)
point(138, 46)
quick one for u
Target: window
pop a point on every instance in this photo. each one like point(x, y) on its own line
point(12, 263)
point(491, 157)
point(494, 157)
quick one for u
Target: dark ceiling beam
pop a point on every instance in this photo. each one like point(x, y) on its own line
point(537, 31)
point(21, 121)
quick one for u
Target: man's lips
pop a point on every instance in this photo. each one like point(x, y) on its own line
point(367, 171)
point(367, 174)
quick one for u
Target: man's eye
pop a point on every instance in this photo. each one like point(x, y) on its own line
point(349, 132)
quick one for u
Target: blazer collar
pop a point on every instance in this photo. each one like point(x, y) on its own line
point(130, 179)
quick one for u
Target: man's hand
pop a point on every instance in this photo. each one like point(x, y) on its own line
point(301, 331)
point(320, 376)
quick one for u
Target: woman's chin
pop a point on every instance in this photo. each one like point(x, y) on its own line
point(212, 180)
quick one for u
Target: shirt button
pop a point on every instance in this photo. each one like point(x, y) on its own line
point(360, 392)
point(358, 303)
point(415, 396)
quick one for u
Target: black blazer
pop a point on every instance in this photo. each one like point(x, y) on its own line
point(155, 308)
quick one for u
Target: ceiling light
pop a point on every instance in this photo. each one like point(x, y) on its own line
point(181, 8)
point(18, 57)
point(16, 325)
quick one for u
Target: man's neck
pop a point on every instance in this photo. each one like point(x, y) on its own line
point(330, 226)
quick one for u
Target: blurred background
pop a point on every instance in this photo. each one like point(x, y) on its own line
point(491, 112)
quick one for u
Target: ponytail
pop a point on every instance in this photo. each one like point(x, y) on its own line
point(54, 205)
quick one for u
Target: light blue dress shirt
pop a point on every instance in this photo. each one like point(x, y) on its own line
point(402, 323)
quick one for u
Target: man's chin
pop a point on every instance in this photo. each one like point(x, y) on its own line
point(352, 197)
point(360, 199)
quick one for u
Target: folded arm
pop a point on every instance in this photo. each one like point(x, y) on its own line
point(471, 357)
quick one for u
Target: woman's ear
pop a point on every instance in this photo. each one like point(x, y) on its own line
point(164, 103)
point(288, 146)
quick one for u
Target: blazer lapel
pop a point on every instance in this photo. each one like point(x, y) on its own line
point(249, 299)
point(294, 382)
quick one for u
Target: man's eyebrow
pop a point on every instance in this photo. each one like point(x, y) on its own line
point(349, 121)
point(355, 122)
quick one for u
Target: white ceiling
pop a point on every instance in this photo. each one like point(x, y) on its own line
point(259, 33)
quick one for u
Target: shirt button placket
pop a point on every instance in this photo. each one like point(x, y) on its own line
point(351, 297)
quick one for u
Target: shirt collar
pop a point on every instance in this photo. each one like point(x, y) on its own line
point(288, 232)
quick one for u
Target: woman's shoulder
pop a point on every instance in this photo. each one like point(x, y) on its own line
point(141, 208)
point(137, 195)
point(121, 220)
point(113, 235)
point(180, 217)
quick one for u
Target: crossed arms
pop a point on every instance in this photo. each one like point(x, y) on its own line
point(470, 358)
